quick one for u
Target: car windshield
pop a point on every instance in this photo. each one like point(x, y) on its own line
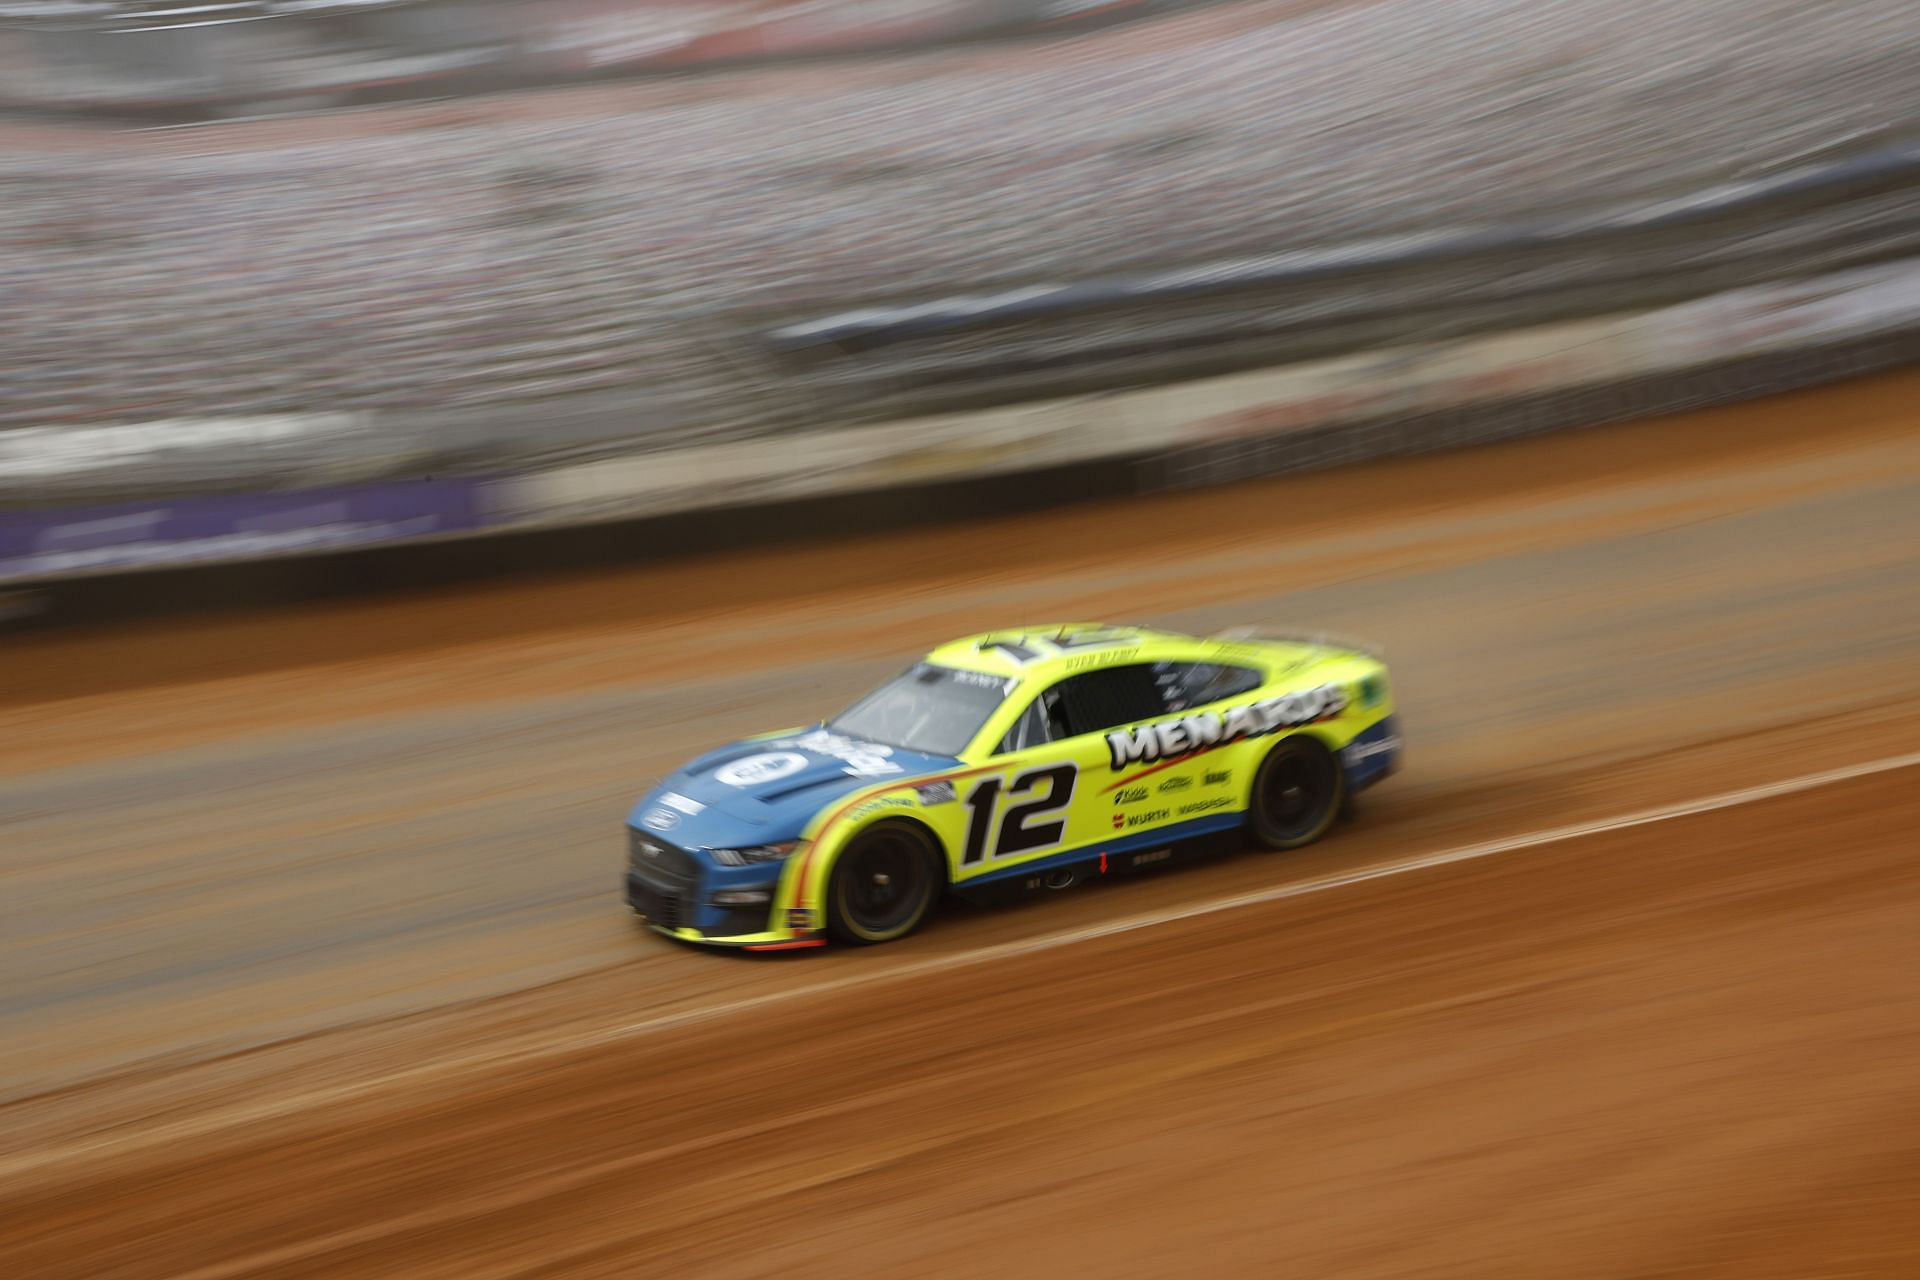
point(935, 710)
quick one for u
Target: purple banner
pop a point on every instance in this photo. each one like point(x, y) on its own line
point(142, 535)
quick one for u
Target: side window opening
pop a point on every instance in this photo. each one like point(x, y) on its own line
point(1056, 714)
point(1030, 730)
point(1195, 684)
point(1095, 701)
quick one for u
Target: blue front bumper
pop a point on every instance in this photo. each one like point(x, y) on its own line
point(674, 889)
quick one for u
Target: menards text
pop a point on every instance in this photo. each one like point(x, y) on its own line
point(1150, 742)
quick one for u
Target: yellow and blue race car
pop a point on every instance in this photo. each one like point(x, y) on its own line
point(1024, 759)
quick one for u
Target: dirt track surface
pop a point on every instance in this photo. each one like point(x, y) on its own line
point(314, 960)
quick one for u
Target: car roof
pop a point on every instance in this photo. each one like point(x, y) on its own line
point(1046, 651)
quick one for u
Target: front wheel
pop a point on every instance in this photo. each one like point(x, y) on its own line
point(1296, 795)
point(883, 884)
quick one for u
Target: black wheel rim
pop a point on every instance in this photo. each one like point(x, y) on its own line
point(1293, 792)
point(886, 883)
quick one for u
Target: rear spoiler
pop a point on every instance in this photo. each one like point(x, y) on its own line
point(1320, 639)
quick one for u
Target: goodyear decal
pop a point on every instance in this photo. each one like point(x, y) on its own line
point(870, 807)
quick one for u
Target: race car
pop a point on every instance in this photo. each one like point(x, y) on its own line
point(1031, 758)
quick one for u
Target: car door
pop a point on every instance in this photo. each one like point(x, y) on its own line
point(1204, 781)
point(1053, 788)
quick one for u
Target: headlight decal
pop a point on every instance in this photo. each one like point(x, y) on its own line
point(754, 853)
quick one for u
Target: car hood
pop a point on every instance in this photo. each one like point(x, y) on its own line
point(766, 790)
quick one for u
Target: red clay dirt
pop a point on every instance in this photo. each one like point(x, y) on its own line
point(1684, 1051)
point(315, 964)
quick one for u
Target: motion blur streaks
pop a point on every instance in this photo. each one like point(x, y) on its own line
point(314, 955)
point(523, 249)
point(231, 831)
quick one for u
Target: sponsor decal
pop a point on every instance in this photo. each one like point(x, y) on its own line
point(1147, 818)
point(1179, 735)
point(1119, 821)
point(935, 793)
point(1150, 857)
point(753, 771)
point(189, 530)
point(978, 679)
point(1176, 784)
point(1130, 795)
point(1358, 751)
point(1206, 806)
point(863, 759)
point(876, 805)
point(660, 819)
point(1219, 778)
point(674, 800)
point(1373, 690)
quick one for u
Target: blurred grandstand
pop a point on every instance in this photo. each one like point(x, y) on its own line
point(157, 15)
point(197, 60)
point(650, 253)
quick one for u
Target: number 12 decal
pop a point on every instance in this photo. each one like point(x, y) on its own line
point(1031, 824)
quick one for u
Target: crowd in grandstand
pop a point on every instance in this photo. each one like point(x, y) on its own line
point(508, 257)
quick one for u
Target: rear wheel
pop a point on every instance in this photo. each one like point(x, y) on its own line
point(1296, 794)
point(883, 884)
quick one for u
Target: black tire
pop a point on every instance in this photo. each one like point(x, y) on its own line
point(884, 883)
point(1297, 794)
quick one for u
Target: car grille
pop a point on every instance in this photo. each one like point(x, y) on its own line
point(661, 879)
point(659, 908)
point(739, 920)
point(656, 860)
